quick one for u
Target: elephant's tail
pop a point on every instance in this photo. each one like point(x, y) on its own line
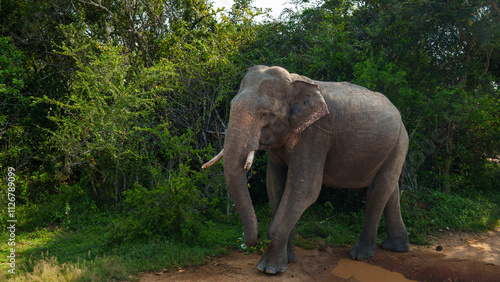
point(401, 179)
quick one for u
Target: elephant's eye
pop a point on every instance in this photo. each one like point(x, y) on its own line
point(267, 117)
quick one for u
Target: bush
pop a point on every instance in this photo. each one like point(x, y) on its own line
point(428, 211)
point(166, 208)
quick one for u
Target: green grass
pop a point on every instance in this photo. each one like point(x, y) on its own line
point(334, 221)
point(98, 250)
point(88, 254)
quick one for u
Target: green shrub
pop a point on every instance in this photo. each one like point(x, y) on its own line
point(166, 208)
point(427, 211)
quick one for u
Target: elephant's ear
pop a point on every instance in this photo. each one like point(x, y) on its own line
point(308, 105)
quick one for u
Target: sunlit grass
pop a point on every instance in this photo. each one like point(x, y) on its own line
point(55, 254)
point(49, 269)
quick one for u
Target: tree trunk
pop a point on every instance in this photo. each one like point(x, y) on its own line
point(449, 158)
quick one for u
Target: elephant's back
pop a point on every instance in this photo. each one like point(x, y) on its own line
point(345, 95)
point(365, 126)
point(350, 104)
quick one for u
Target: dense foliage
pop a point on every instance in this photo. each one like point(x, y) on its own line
point(115, 104)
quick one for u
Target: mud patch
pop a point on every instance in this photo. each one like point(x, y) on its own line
point(363, 272)
point(463, 257)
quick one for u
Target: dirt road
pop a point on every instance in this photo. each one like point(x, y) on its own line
point(452, 257)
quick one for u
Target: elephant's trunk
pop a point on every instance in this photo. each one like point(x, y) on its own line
point(239, 148)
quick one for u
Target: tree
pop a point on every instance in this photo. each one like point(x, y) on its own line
point(12, 105)
point(444, 50)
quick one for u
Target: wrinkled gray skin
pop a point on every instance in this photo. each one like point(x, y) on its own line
point(337, 134)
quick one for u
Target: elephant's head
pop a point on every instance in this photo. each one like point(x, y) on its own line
point(271, 105)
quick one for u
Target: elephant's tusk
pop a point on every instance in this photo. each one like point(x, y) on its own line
point(248, 163)
point(214, 160)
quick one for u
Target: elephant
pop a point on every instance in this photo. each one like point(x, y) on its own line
point(316, 133)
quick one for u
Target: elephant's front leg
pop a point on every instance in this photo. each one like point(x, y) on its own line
point(302, 190)
point(276, 182)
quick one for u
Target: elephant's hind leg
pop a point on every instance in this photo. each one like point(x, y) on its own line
point(383, 192)
point(397, 236)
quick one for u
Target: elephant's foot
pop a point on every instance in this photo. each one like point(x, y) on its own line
point(271, 264)
point(396, 245)
point(362, 251)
